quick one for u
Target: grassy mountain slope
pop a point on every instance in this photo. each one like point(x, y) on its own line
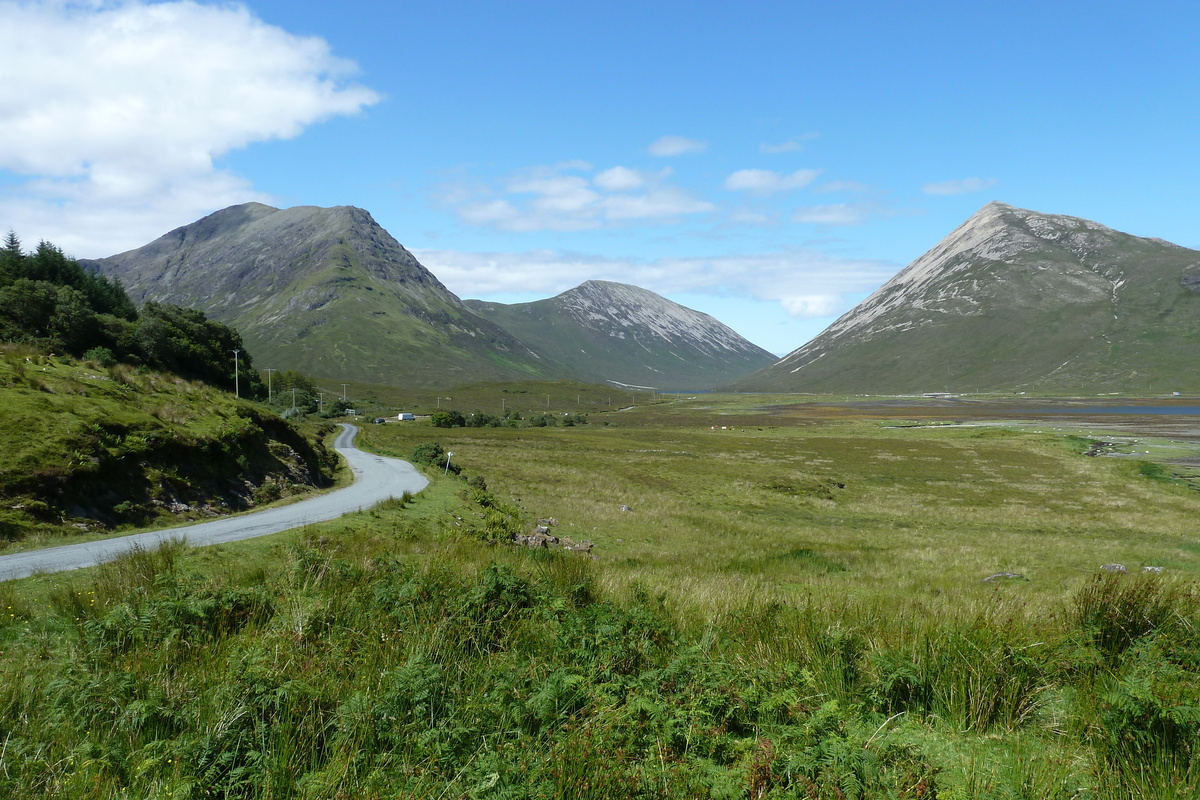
point(86, 449)
point(326, 291)
point(614, 333)
point(1014, 300)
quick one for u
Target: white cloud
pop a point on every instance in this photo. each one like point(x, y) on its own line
point(560, 198)
point(114, 112)
point(764, 182)
point(790, 146)
point(841, 186)
point(750, 216)
point(620, 179)
point(658, 203)
point(833, 214)
point(555, 193)
point(810, 306)
point(676, 146)
point(964, 186)
point(500, 213)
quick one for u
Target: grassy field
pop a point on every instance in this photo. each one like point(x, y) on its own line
point(782, 504)
point(524, 397)
point(785, 600)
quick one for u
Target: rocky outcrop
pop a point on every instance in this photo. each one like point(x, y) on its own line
point(543, 536)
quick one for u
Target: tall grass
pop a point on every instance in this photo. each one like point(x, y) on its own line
point(743, 640)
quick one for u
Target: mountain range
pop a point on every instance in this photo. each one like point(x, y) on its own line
point(329, 292)
point(1011, 300)
point(1014, 300)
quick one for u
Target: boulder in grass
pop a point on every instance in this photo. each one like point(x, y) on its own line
point(997, 576)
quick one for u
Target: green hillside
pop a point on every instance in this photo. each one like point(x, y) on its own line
point(86, 450)
point(325, 291)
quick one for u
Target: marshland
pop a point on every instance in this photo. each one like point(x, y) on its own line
point(783, 599)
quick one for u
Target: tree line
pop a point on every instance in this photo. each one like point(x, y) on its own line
point(50, 301)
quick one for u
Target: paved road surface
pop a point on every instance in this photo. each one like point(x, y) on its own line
point(375, 478)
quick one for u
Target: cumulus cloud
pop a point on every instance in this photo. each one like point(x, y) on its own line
point(790, 146)
point(623, 179)
point(834, 214)
point(676, 146)
point(665, 202)
point(764, 182)
point(806, 283)
point(842, 186)
point(813, 305)
point(567, 197)
point(964, 186)
point(556, 194)
point(115, 111)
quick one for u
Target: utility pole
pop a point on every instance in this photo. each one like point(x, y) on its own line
point(237, 391)
point(269, 395)
point(320, 402)
point(439, 403)
point(293, 398)
point(344, 385)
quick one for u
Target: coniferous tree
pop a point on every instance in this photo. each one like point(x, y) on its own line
point(10, 258)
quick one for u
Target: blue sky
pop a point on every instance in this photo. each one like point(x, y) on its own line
point(768, 163)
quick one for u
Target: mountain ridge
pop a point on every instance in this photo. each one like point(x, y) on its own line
point(1015, 300)
point(648, 340)
point(328, 291)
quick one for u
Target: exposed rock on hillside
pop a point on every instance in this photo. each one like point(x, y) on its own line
point(623, 334)
point(1019, 301)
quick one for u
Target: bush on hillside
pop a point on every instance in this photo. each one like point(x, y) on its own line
point(431, 454)
point(447, 419)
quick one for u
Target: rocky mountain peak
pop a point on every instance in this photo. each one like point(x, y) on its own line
point(624, 334)
point(325, 290)
point(997, 235)
point(248, 251)
point(1010, 298)
point(605, 305)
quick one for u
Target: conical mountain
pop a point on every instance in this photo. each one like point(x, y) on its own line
point(326, 291)
point(1015, 300)
point(615, 333)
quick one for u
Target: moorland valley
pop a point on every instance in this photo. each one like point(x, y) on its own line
point(979, 581)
